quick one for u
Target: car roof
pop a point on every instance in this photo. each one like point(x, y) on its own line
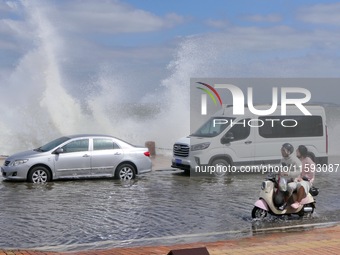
point(99, 136)
point(89, 135)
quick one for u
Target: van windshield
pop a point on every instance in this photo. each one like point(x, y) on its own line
point(213, 127)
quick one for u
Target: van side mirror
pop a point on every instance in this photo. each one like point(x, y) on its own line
point(227, 138)
point(58, 151)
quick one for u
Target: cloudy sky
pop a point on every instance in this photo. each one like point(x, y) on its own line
point(112, 51)
point(143, 40)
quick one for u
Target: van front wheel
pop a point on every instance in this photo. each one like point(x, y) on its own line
point(222, 167)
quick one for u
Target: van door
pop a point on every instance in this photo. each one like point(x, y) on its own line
point(239, 143)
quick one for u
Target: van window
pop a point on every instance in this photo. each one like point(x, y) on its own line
point(307, 126)
point(239, 131)
point(213, 127)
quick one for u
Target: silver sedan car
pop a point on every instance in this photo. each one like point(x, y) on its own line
point(78, 156)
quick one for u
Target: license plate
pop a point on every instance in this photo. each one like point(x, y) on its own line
point(178, 161)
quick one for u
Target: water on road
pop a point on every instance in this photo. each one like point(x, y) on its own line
point(161, 207)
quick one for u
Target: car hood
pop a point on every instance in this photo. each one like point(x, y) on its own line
point(26, 155)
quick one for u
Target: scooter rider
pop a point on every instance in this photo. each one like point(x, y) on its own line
point(306, 177)
point(291, 167)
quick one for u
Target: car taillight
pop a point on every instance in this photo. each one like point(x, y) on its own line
point(147, 153)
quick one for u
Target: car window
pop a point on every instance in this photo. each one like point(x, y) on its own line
point(240, 130)
point(76, 146)
point(53, 144)
point(104, 144)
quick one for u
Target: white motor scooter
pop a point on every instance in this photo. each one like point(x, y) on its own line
point(266, 204)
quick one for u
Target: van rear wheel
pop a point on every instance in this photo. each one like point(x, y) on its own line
point(221, 167)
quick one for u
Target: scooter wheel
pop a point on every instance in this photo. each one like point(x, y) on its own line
point(258, 213)
point(302, 212)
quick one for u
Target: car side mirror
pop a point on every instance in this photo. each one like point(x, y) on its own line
point(227, 138)
point(58, 151)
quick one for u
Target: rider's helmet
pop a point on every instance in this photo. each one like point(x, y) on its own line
point(288, 148)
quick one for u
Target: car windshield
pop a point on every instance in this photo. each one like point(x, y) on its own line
point(213, 127)
point(53, 144)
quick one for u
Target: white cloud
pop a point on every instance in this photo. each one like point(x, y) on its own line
point(6, 45)
point(217, 23)
point(5, 6)
point(111, 17)
point(279, 38)
point(227, 53)
point(261, 52)
point(321, 14)
point(15, 33)
point(15, 28)
point(223, 23)
point(76, 22)
point(272, 18)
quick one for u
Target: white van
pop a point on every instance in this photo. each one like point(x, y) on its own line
point(248, 140)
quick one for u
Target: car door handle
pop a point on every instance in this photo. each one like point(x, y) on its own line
point(117, 153)
point(86, 156)
point(248, 142)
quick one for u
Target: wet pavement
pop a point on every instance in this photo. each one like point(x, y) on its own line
point(324, 241)
point(160, 208)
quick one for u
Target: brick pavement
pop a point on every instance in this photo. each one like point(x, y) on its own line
point(316, 241)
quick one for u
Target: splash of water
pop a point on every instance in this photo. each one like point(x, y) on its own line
point(38, 104)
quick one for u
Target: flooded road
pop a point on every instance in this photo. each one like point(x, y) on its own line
point(161, 207)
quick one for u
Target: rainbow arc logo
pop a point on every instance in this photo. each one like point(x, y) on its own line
point(211, 91)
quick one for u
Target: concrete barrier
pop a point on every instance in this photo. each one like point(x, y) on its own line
point(151, 146)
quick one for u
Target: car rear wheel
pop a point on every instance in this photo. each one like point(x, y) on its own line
point(125, 172)
point(39, 174)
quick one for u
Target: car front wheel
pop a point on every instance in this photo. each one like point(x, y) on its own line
point(39, 174)
point(125, 172)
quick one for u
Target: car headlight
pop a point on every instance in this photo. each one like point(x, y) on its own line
point(200, 146)
point(18, 162)
point(263, 185)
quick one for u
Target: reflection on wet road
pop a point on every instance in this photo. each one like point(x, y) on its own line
point(161, 207)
